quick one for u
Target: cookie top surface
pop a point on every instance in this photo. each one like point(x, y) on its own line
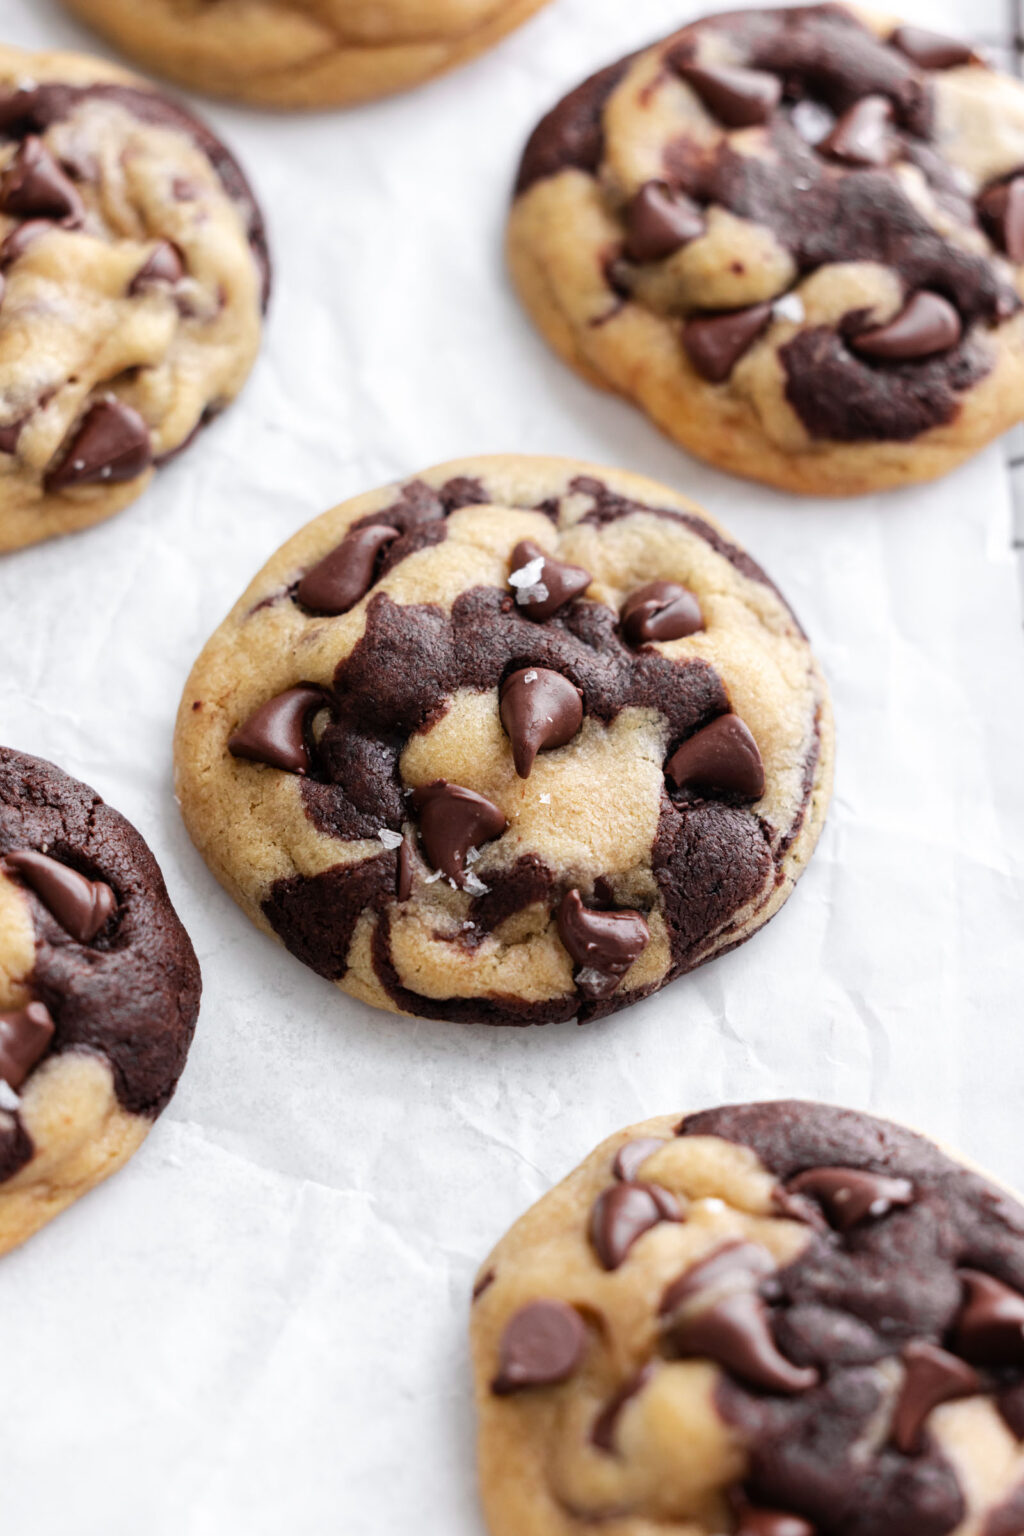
point(94, 964)
point(517, 740)
point(134, 271)
point(800, 230)
point(777, 1319)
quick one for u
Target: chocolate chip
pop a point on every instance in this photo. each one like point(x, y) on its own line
point(540, 710)
point(603, 1432)
point(82, 906)
point(927, 324)
point(721, 758)
point(771, 1522)
point(1002, 212)
point(851, 1195)
point(162, 268)
point(345, 575)
point(606, 942)
point(659, 222)
point(633, 1154)
point(542, 1345)
point(931, 1377)
point(733, 1264)
point(110, 445)
point(662, 610)
point(864, 134)
point(10, 434)
point(623, 1213)
point(20, 238)
point(930, 50)
point(543, 584)
point(734, 1332)
point(715, 343)
point(989, 1329)
point(34, 186)
point(403, 875)
point(452, 821)
point(484, 1283)
point(739, 98)
point(25, 1037)
point(277, 733)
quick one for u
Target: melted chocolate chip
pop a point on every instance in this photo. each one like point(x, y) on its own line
point(25, 1038)
point(484, 1283)
point(452, 821)
point(83, 907)
point(606, 942)
point(1002, 212)
point(771, 1522)
point(277, 734)
point(849, 1196)
point(632, 1155)
point(110, 446)
point(10, 435)
point(659, 222)
point(722, 758)
point(345, 575)
point(35, 187)
point(930, 50)
point(622, 1214)
point(733, 1265)
point(927, 324)
point(404, 872)
point(661, 610)
point(551, 584)
point(605, 1425)
point(715, 343)
point(162, 268)
point(931, 1376)
point(543, 1344)
point(864, 134)
point(739, 98)
point(540, 710)
point(734, 1332)
point(21, 237)
point(989, 1330)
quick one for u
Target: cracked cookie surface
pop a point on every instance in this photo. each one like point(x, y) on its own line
point(795, 238)
point(516, 741)
point(780, 1319)
point(99, 993)
point(303, 53)
point(133, 278)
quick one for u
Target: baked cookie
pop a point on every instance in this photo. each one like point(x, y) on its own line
point(133, 277)
point(793, 237)
point(303, 53)
point(515, 741)
point(776, 1319)
point(99, 992)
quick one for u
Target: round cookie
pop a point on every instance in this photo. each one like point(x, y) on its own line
point(778, 1319)
point(133, 278)
point(516, 741)
point(99, 993)
point(303, 53)
point(795, 238)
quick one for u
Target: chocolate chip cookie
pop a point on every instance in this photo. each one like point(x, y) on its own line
point(99, 992)
point(795, 238)
point(303, 53)
point(133, 277)
point(515, 741)
point(776, 1319)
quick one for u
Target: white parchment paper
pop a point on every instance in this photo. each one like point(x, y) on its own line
point(259, 1327)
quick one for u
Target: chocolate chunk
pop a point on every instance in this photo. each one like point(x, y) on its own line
point(80, 905)
point(930, 50)
point(21, 237)
point(633, 1154)
point(735, 1265)
point(989, 1329)
point(277, 733)
point(927, 324)
point(603, 1432)
point(659, 222)
point(739, 98)
point(715, 343)
point(542, 1345)
point(540, 710)
point(931, 1377)
point(162, 268)
point(110, 445)
point(623, 1213)
point(754, 1521)
point(607, 942)
point(452, 821)
point(722, 758)
point(851, 1195)
point(661, 610)
point(35, 187)
point(345, 575)
point(25, 1037)
point(543, 584)
point(864, 134)
point(735, 1333)
point(403, 875)
point(1002, 212)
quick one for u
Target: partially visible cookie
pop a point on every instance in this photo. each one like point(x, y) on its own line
point(512, 742)
point(795, 238)
point(133, 278)
point(303, 53)
point(776, 1319)
point(99, 993)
